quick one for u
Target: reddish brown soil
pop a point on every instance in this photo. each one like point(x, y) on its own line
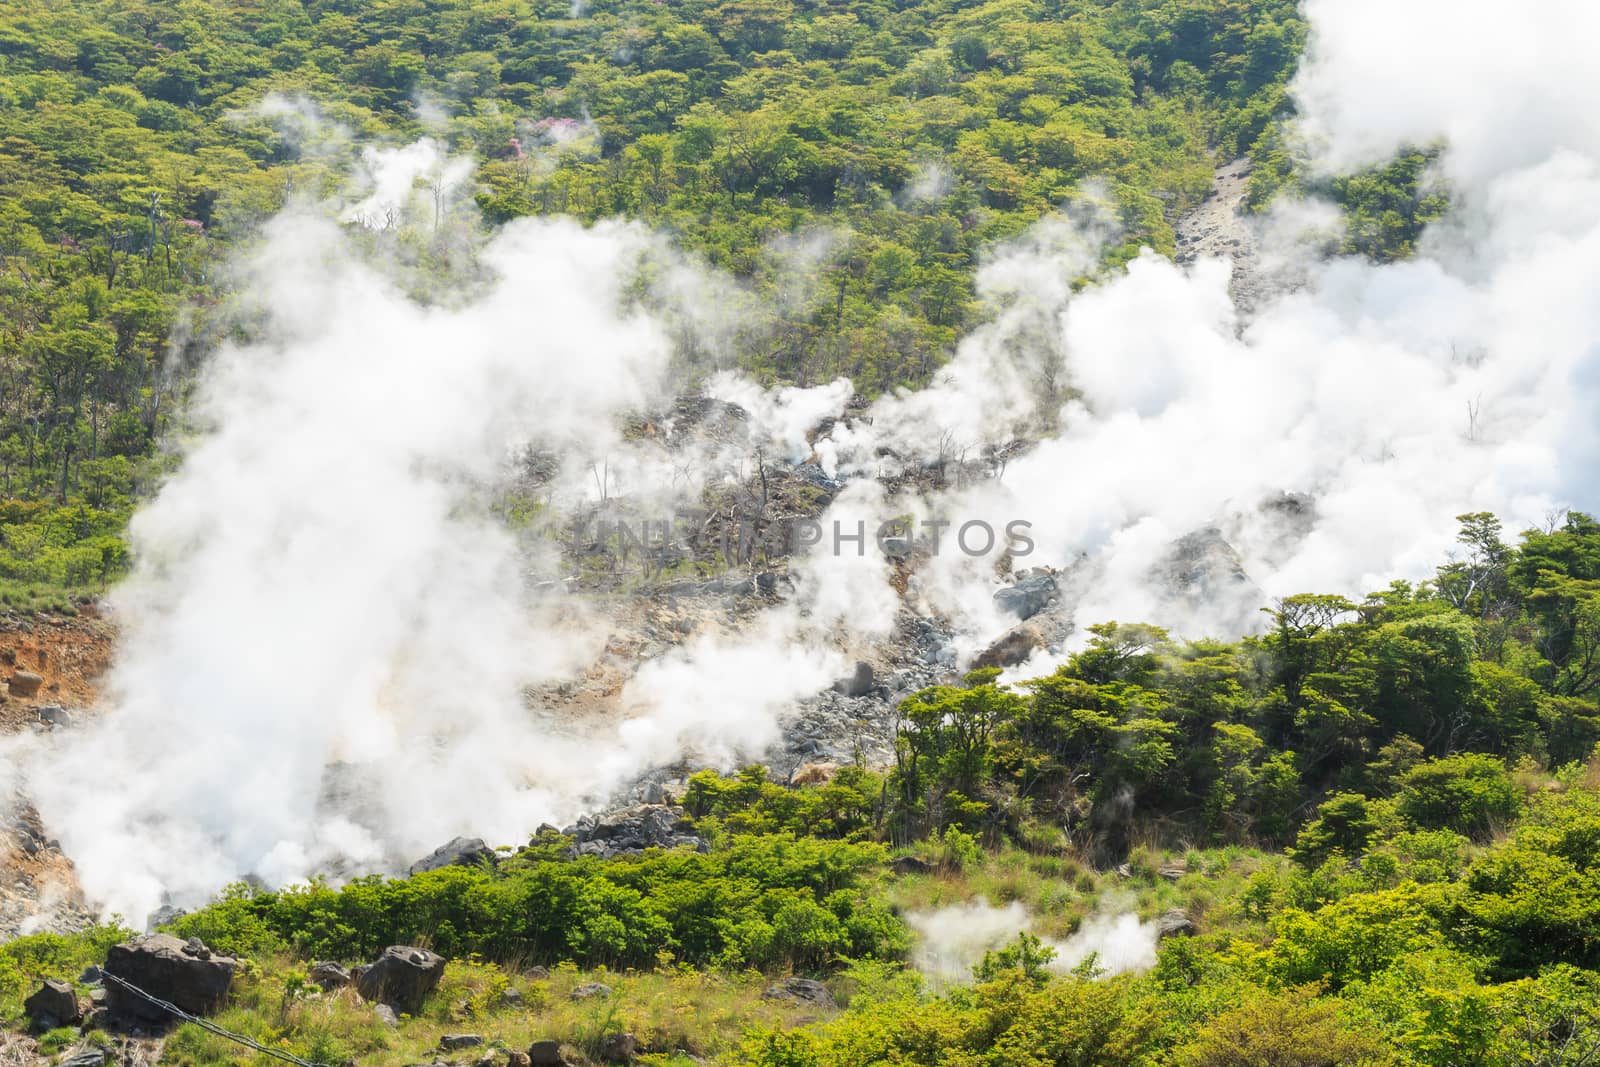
point(70, 654)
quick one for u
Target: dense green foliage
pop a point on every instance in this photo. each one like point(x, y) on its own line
point(1391, 959)
point(1418, 697)
point(765, 902)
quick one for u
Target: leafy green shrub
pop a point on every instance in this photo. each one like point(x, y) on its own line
point(1294, 1027)
point(1344, 824)
point(767, 901)
point(1471, 793)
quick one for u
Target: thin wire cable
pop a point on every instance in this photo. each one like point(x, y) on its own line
point(206, 1024)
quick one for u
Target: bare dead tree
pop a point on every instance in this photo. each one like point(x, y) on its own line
point(438, 190)
point(947, 448)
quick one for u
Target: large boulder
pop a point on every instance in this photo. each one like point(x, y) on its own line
point(546, 1053)
point(1031, 595)
point(910, 865)
point(55, 715)
point(24, 684)
point(458, 852)
point(1201, 573)
point(185, 974)
point(52, 1004)
point(1175, 923)
point(401, 978)
point(859, 684)
point(329, 975)
point(618, 1048)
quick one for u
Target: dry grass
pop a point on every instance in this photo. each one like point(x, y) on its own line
point(1059, 891)
point(674, 1013)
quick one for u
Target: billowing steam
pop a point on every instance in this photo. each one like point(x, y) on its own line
point(331, 636)
point(952, 941)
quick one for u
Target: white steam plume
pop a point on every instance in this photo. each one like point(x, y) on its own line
point(1394, 397)
point(951, 941)
point(319, 585)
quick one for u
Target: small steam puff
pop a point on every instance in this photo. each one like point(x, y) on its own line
point(952, 941)
point(328, 638)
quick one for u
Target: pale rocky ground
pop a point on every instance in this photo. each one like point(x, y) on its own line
point(1219, 226)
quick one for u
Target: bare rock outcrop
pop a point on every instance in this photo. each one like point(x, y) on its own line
point(1033, 592)
point(632, 830)
point(457, 852)
point(805, 991)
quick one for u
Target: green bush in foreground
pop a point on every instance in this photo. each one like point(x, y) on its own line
point(766, 902)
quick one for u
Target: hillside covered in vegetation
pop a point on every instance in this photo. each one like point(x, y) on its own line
point(1369, 834)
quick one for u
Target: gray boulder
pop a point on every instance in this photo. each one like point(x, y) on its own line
point(52, 1004)
point(457, 852)
point(55, 715)
point(330, 975)
point(545, 1053)
point(910, 865)
point(1175, 923)
point(401, 978)
point(804, 991)
point(185, 974)
point(618, 1048)
point(633, 830)
point(456, 1042)
point(1201, 571)
point(859, 684)
point(590, 990)
point(89, 1056)
point(1028, 597)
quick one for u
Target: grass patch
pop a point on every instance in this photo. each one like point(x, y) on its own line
point(676, 1013)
